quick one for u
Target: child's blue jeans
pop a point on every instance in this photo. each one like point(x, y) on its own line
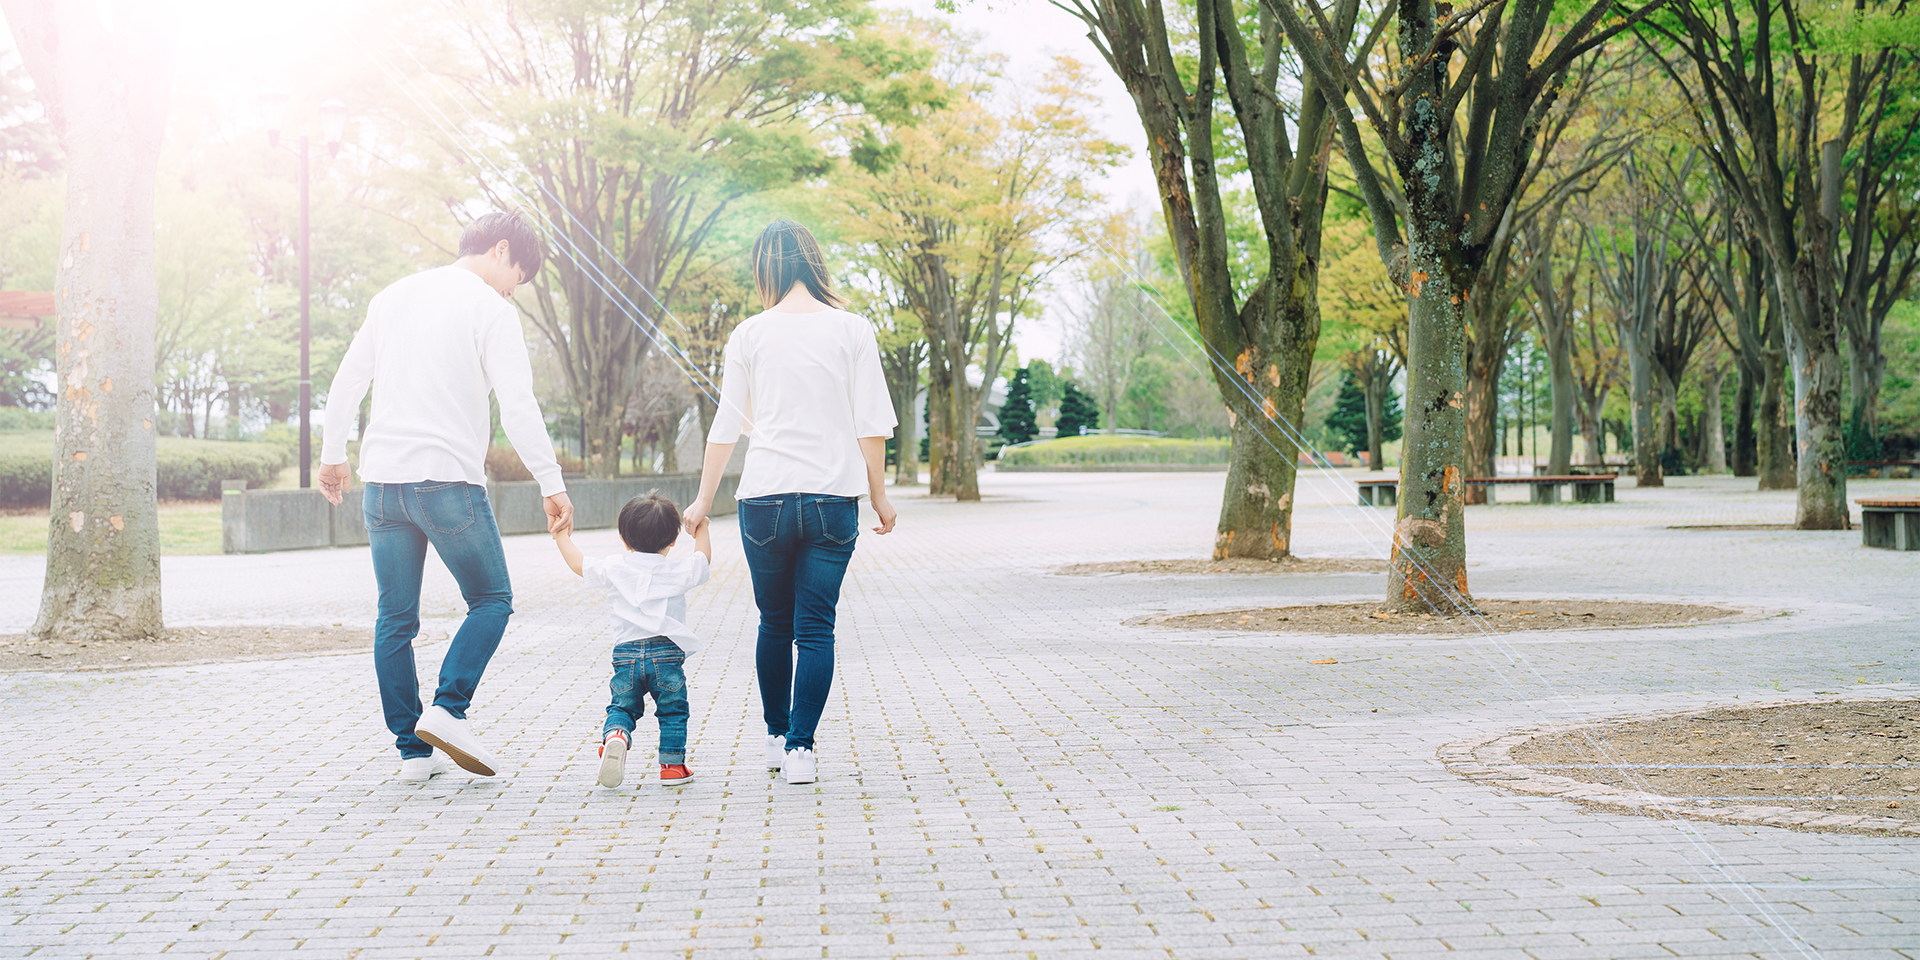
point(652, 666)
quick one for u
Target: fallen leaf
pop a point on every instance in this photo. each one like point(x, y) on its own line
point(1523, 613)
point(1880, 664)
point(1326, 661)
point(1381, 616)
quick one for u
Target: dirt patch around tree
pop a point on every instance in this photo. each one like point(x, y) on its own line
point(1238, 566)
point(186, 645)
point(1497, 616)
point(1848, 766)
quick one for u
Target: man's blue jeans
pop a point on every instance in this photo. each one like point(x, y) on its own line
point(454, 517)
point(654, 667)
point(797, 547)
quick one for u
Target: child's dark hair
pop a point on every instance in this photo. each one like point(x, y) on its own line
point(523, 244)
point(649, 523)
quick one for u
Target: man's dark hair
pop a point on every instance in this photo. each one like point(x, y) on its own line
point(649, 523)
point(523, 244)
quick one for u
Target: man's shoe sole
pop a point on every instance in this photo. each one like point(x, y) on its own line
point(467, 761)
point(613, 762)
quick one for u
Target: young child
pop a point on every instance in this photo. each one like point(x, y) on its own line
point(648, 591)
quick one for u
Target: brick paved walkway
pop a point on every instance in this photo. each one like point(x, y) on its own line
point(1006, 769)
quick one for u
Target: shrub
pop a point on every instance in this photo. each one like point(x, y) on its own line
point(185, 469)
point(1107, 449)
point(15, 418)
point(503, 464)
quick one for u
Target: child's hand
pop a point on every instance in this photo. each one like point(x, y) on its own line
point(702, 526)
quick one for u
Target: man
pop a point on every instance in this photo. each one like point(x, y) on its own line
point(434, 346)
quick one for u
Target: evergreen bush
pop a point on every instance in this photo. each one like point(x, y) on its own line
point(1078, 413)
point(1016, 413)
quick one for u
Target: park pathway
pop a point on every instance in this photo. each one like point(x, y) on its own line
point(1006, 768)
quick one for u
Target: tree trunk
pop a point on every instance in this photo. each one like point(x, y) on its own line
point(1256, 508)
point(1773, 449)
point(1428, 569)
point(104, 86)
point(1646, 454)
point(1560, 382)
point(963, 448)
point(1483, 367)
point(939, 435)
point(1378, 381)
point(906, 440)
point(1713, 434)
point(1818, 385)
point(1593, 426)
point(603, 434)
point(1744, 459)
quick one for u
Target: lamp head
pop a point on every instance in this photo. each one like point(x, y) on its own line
point(333, 124)
point(273, 109)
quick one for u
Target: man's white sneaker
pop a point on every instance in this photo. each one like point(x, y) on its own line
point(799, 766)
point(422, 769)
point(442, 729)
point(776, 752)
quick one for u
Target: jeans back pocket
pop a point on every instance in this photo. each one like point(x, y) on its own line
point(839, 519)
point(445, 507)
point(760, 519)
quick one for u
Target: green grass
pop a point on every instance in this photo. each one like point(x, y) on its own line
point(187, 528)
point(1105, 449)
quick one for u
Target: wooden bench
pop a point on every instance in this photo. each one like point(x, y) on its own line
point(1379, 493)
point(1891, 522)
point(1587, 488)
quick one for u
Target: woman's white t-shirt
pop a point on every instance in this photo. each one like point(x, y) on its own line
point(805, 387)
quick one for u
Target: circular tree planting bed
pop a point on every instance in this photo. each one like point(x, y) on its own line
point(183, 645)
point(1497, 616)
point(1849, 766)
point(1243, 566)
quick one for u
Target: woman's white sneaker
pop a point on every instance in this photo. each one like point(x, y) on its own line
point(776, 752)
point(799, 766)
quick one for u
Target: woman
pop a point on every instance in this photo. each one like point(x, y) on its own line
point(803, 379)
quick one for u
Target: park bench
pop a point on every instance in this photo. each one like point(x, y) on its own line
point(1587, 488)
point(1890, 522)
point(1878, 468)
point(1379, 493)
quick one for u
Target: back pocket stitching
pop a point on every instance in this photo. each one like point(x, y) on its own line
point(777, 506)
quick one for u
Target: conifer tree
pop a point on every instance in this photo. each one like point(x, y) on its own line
point(1016, 414)
point(1078, 413)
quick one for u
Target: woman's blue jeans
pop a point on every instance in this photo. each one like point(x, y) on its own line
point(403, 519)
point(797, 547)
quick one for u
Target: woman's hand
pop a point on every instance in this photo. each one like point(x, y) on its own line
point(696, 515)
point(883, 508)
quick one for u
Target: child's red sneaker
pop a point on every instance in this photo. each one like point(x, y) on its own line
point(613, 758)
point(674, 774)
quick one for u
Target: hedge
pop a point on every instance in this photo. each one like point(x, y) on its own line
point(1116, 449)
point(186, 469)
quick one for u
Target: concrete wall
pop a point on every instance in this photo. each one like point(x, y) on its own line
point(261, 521)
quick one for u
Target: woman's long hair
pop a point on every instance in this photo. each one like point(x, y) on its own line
point(786, 254)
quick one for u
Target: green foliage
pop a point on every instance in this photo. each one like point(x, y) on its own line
point(186, 469)
point(1117, 450)
point(1900, 393)
point(1347, 424)
point(15, 418)
point(1078, 412)
point(1016, 413)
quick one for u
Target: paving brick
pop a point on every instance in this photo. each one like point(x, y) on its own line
point(999, 760)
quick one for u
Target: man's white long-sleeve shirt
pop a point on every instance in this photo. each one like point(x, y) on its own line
point(433, 347)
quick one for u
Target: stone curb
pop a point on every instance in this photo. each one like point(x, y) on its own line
point(1489, 760)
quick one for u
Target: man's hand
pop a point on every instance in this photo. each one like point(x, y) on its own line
point(695, 516)
point(559, 513)
point(884, 509)
point(335, 479)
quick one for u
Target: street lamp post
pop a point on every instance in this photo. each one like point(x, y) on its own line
point(333, 123)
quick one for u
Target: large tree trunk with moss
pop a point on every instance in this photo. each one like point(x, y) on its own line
point(1256, 508)
point(1428, 570)
point(103, 83)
